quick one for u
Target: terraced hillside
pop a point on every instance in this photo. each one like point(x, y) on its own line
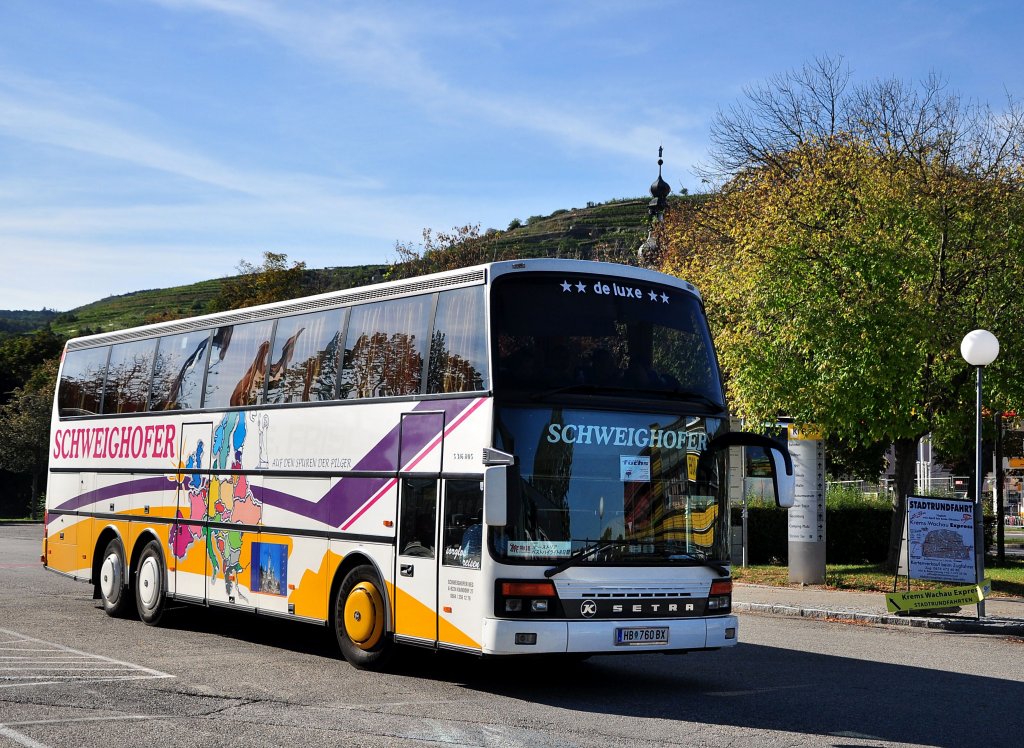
point(607, 231)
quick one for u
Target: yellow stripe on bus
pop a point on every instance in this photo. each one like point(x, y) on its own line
point(311, 593)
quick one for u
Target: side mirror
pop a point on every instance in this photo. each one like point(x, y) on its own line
point(496, 496)
point(782, 477)
point(783, 480)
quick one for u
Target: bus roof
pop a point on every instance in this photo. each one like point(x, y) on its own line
point(461, 277)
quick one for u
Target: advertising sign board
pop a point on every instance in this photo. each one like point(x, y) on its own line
point(940, 539)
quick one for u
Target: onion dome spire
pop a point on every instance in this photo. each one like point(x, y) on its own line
point(650, 252)
point(659, 191)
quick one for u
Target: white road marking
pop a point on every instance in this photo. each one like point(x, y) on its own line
point(25, 740)
point(17, 737)
point(62, 666)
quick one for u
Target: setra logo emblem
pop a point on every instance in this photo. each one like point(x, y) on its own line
point(588, 609)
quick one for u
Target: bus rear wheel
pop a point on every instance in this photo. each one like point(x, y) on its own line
point(113, 580)
point(150, 584)
point(359, 620)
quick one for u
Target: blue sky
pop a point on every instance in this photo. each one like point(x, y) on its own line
point(151, 143)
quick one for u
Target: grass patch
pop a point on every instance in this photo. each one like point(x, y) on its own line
point(1007, 579)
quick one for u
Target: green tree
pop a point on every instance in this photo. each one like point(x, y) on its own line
point(25, 424)
point(859, 235)
point(21, 354)
point(271, 281)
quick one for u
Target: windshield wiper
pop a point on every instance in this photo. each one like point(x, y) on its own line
point(583, 553)
point(676, 551)
point(679, 550)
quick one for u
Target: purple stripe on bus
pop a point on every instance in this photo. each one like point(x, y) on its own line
point(343, 499)
point(148, 484)
point(346, 499)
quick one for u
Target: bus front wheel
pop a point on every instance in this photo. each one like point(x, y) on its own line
point(150, 584)
point(113, 581)
point(359, 620)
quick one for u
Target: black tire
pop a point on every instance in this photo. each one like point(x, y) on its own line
point(359, 620)
point(151, 583)
point(113, 584)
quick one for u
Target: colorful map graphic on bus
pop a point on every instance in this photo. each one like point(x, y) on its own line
point(226, 499)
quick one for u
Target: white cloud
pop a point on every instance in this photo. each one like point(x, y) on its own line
point(58, 123)
point(381, 47)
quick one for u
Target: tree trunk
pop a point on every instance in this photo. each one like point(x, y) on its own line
point(33, 494)
point(905, 468)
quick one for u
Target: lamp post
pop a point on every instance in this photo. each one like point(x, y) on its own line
point(979, 348)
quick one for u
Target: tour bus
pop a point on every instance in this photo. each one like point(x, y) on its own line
point(524, 457)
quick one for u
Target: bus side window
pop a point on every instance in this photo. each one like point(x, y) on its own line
point(458, 348)
point(304, 360)
point(128, 377)
point(238, 365)
point(418, 519)
point(178, 371)
point(463, 523)
point(385, 348)
point(81, 381)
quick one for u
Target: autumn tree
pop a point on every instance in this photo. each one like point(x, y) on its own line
point(273, 280)
point(461, 247)
point(859, 234)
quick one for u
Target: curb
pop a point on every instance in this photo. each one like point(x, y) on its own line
point(988, 625)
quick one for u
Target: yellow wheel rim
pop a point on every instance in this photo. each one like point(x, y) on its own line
point(364, 615)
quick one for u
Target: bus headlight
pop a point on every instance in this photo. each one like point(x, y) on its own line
point(525, 598)
point(720, 596)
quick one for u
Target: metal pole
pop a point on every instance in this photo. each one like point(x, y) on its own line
point(1000, 479)
point(744, 530)
point(979, 514)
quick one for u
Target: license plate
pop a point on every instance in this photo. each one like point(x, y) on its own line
point(642, 635)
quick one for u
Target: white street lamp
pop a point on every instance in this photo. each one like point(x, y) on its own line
point(979, 348)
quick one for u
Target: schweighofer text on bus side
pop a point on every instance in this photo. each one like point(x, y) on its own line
point(113, 442)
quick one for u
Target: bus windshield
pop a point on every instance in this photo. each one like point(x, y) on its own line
point(597, 336)
point(633, 484)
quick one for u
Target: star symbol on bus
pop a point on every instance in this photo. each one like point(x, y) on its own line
point(580, 287)
point(664, 298)
point(566, 286)
point(653, 295)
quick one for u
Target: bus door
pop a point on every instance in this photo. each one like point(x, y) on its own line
point(416, 580)
point(459, 593)
point(187, 557)
point(420, 448)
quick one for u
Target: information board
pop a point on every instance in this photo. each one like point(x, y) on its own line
point(807, 515)
point(940, 539)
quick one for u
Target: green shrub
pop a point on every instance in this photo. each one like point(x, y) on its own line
point(856, 529)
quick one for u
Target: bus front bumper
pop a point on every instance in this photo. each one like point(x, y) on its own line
point(504, 637)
